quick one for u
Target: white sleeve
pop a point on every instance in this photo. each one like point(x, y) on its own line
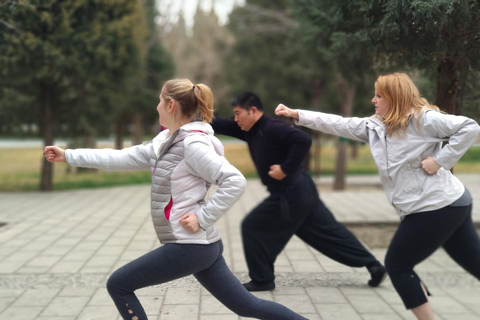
point(204, 162)
point(133, 158)
point(352, 128)
point(460, 132)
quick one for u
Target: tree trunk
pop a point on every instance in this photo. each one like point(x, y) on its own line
point(306, 163)
point(89, 140)
point(339, 182)
point(354, 153)
point(348, 93)
point(46, 176)
point(447, 85)
point(119, 129)
point(317, 153)
point(138, 130)
point(317, 148)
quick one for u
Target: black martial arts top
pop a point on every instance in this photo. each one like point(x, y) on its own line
point(270, 142)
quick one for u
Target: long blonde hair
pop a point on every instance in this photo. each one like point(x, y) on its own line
point(404, 99)
point(196, 101)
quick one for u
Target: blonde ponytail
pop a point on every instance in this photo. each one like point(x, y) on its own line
point(195, 101)
point(204, 97)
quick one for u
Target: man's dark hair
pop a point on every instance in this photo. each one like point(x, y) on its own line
point(246, 100)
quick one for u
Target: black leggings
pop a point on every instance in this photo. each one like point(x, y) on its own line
point(206, 263)
point(420, 235)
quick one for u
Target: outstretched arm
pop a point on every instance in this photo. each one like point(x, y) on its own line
point(352, 128)
point(54, 154)
point(133, 158)
point(227, 127)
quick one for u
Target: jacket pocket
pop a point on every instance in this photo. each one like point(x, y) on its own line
point(414, 178)
point(168, 208)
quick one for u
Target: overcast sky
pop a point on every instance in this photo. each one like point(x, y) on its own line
point(188, 7)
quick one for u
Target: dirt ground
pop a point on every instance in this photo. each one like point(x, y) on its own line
point(374, 236)
point(377, 235)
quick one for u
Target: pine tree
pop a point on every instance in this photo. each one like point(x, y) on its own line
point(68, 56)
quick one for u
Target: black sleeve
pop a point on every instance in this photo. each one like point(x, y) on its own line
point(297, 144)
point(227, 127)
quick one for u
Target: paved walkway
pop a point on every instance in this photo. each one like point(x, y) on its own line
point(58, 249)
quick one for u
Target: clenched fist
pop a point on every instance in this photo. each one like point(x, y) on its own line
point(54, 154)
point(283, 110)
point(190, 222)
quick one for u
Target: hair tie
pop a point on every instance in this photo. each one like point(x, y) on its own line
point(193, 88)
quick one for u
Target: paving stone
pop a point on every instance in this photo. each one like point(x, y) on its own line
point(21, 313)
point(65, 306)
point(210, 305)
point(383, 316)
point(182, 296)
point(326, 295)
point(58, 269)
point(98, 313)
point(67, 267)
point(36, 297)
point(220, 317)
point(179, 312)
point(342, 311)
point(298, 303)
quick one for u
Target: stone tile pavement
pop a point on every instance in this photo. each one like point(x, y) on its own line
point(57, 250)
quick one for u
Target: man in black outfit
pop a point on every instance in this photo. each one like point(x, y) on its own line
point(293, 207)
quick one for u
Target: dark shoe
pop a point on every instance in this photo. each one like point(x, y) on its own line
point(259, 286)
point(378, 274)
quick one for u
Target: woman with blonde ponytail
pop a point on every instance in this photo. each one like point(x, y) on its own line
point(406, 137)
point(184, 159)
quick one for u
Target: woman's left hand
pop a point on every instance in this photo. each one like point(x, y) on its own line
point(430, 166)
point(190, 222)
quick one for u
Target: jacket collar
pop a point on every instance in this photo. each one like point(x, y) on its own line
point(256, 127)
point(195, 126)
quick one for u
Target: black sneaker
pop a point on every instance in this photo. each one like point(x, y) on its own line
point(378, 274)
point(259, 286)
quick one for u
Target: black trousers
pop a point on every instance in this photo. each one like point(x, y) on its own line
point(420, 235)
point(205, 262)
point(296, 209)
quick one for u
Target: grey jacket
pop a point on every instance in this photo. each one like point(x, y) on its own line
point(183, 166)
point(408, 187)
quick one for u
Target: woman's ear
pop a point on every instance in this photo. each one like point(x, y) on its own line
point(171, 106)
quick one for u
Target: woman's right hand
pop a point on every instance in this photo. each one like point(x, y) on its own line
point(283, 110)
point(54, 154)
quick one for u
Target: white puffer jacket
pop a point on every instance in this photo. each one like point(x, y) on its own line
point(409, 188)
point(183, 166)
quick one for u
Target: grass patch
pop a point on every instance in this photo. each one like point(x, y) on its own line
point(20, 168)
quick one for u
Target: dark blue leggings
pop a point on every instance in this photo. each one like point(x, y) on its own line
point(420, 235)
point(206, 263)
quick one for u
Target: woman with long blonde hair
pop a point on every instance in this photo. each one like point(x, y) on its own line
point(184, 159)
point(406, 137)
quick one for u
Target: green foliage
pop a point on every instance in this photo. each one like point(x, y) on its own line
point(439, 36)
point(270, 58)
point(199, 53)
point(336, 28)
point(159, 67)
point(423, 32)
point(73, 56)
point(470, 95)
